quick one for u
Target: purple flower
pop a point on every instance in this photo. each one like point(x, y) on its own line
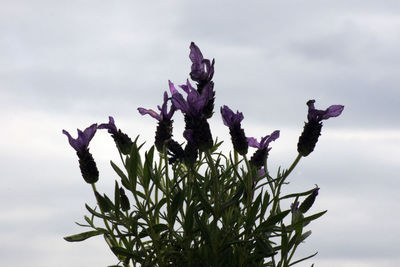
point(82, 142)
point(164, 128)
point(259, 157)
point(312, 129)
point(194, 103)
point(110, 126)
point(238, 137)
point(123, 142)
point(164, 114)
point(264, 140)
point(231, 119)
point(87, 164)
point(319, 115)
point(202, 69)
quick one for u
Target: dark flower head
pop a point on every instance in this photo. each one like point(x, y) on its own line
point(202, 69)
point(319, 115)
point(231, 119)
point(82, 142)
point(122, 140)
point(164, 114)
point(264, 140)
point(312, 128)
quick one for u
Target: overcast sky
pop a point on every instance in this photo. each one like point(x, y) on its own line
point(68, 64)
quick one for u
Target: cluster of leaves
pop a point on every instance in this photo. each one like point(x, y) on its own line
point(219, 212)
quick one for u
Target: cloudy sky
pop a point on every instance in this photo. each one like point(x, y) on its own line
point(67, 64)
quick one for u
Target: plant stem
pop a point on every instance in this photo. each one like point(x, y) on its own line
point(275, 205)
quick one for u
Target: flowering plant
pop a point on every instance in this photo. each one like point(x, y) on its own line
point(190, 204)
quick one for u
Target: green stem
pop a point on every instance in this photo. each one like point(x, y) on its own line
point(214, 177)
point(105, 221)
point(281, 181)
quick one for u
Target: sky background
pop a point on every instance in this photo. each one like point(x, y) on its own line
point(68, 64)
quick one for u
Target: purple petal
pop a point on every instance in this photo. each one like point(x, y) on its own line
point(172, 88)
point(150, 112)
point(274, 135)
point(253, 142)
point(188, 135)
point(196, 102)
point(187, 87)
point(230, 119)
point(74, 143)
point(82, 142)
point(88, 133)
point(226, 113)
point(110, 125)
point(333, 111)
point(179, 102)
point(195, 54)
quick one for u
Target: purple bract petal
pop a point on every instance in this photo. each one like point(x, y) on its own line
point(333, 111)
point(188, 135)
point(179, 103)
point(319, 115)
point(110, 125)
point(82, 142)
point(195, 54)
point(150, 112)
point(172, 88)
point(264, 140)
point(253, 142)
point(231, 119)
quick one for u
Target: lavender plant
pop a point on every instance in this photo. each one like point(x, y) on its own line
point(190, 204)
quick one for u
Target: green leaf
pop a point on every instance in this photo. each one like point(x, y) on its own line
point(97, 214)
point(306, 220)
point(83, 236)
point(119, 251)
point(177, 202)
point(303, 259)
point(306, 193)
point(284, 242)
point(252, 214)
point(206, 205)
point(303, 237)
point(264, 205)
point(265, 248)
point(188, 220)
point(121, 174)
point(272, 221)
point(117, 198)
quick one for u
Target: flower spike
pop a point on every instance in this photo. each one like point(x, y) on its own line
point(312, 128)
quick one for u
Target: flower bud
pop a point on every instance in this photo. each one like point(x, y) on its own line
point(125, 205)
point(309, 201)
